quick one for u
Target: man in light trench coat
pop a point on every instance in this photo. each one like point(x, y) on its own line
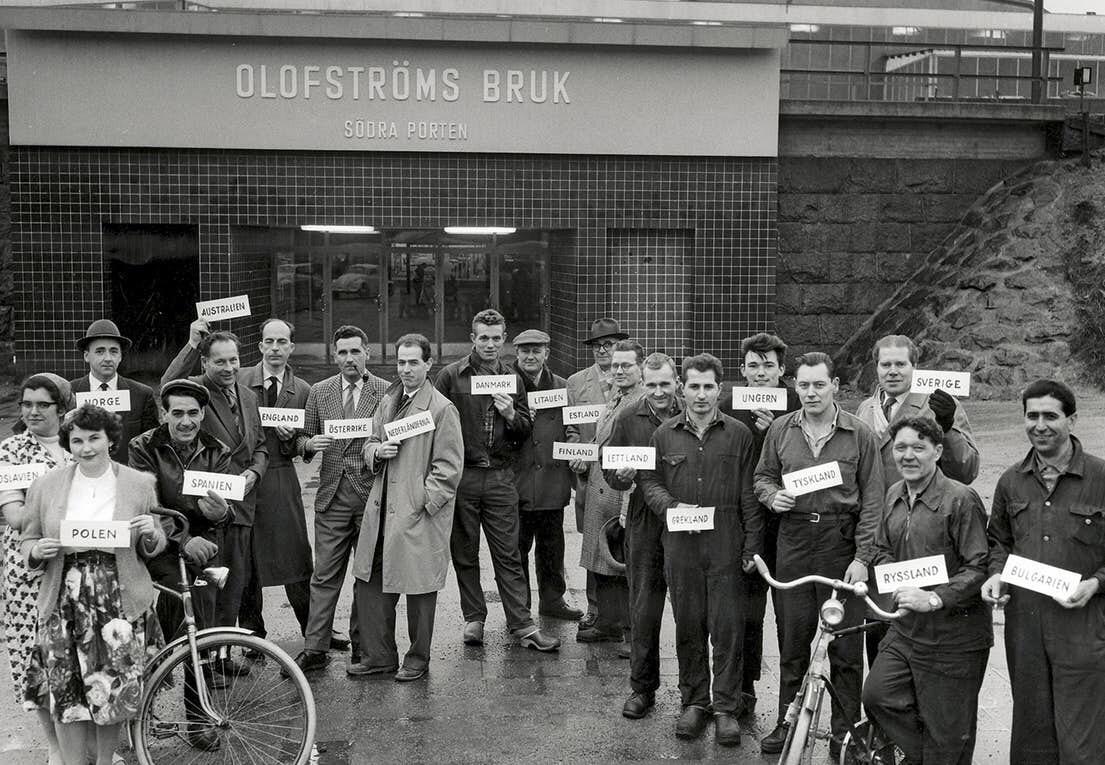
point(404, 542)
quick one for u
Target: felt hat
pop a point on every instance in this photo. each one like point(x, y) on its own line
point(102, 328)
point(606, 327)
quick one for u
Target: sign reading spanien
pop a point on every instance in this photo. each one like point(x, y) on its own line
point(228, 486)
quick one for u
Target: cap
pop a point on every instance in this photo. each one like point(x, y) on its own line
point(606, 327)
point(531, 337)
point(102, 328)
point(182, 387)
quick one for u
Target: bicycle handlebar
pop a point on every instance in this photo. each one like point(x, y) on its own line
point(177, 516)
point(857, 588)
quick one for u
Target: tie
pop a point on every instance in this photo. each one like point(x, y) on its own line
point(232, 404)
point(350, 410)
point(887, 407)
point(270, 392)
point(403, 403)
point(103, 386)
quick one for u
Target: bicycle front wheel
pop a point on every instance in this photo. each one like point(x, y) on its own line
point(267, 715)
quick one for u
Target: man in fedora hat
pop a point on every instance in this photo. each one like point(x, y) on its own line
point(103, 349)
point(592, 386)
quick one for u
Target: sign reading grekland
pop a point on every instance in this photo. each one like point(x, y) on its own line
point(316, 94)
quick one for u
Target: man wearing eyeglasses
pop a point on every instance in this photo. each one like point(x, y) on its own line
point(281, 550)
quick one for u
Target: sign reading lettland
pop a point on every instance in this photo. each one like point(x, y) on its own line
point(639, 457)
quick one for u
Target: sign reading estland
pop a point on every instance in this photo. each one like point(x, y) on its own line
point(198, 482)
point(953, 383)
point(811, 479)
point(640, 457)
point(562, 450)
point(485, 385)
point(111, 400)
point(690, 518)
point(918, 572)
point(352, 427)
point(748, 399)
point(416, 424)
point(582, 415)
point(94, 533)
point(223, 308)
point(272, 416)
point(1040, 577)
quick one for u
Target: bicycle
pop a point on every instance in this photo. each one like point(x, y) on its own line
point(863, 743)
point(265, 716)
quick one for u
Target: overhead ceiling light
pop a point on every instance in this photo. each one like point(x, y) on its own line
point(706, 23)
point(904, 31)
point(989, 34)
point(340, 229)
point(479, 230)
point(807, 28)
point(409, 14)
point(606, 20)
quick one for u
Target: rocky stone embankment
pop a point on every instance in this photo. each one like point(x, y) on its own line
point(1015, 292)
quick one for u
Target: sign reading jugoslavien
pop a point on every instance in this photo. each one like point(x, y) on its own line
point(562, 450)
point(690, 518)
point(918, 572)
point(811, 479)
point(21, 476)
point(271, 416)
point(953, 383)
point(223, 308)
point(747, 399)
point(548, 399)
point(640, 457)
point(198, 482)
point(582, 415)
point(1040, 577)
point(485, 385)
point(94, 533)
point(352, 427)
point(416, 424)
point(111, 400)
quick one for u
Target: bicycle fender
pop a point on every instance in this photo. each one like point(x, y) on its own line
point(183, 640)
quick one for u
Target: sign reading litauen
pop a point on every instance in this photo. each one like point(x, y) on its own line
point(111, 400)
point(198, 482)
point(548, 399)
point(811, 479)
point(918, 572)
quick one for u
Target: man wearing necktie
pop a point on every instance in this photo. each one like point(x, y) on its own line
point(281, 548)
point(232, 417)
point(344, 485)
point(103, 349)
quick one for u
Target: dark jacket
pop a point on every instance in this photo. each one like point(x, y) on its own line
point(542, 482)
point(634, 427)
point(455, 383)
point(141, 417)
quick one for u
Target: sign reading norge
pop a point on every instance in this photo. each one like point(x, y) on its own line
point(111, 400)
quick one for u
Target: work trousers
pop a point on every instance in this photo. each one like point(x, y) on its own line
point(487, 499)
point(648, 589)
point(708, 600)
point(612, 592)
point(236, 553)
point(543, 530)
point(1056, 663)
point(336, 532)
point(251, 616)
point(376, 614)
point(926, 700)
point(757, 589)
point(824, 548)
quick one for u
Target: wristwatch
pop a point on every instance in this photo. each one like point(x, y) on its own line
point(934, 601)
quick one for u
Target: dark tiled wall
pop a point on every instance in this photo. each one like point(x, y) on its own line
point(722, 211)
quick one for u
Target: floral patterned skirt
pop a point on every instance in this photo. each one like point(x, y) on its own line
point(89, 662)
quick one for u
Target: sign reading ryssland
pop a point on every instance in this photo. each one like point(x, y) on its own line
point(189, 91)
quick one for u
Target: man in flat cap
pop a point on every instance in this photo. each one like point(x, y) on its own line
point(103, 348)
point(592, 386)
point(544, 484)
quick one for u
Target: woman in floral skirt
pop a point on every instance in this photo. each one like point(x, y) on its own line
point(44, 400)
point(96, 625)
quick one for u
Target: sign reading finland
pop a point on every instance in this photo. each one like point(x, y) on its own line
point(198, 482)
point(94, 533)
point(548, 399)
point(640, 457)
point(272, 416)
point(748, 399)
point(918, 572)
point(111, 400)
point(485, 385)
point(953, 383)
point(690, 518)
point(1040, 577)
point(223, 308)
point(353, 427)
point(562, 450)
point(811, 479)
point(582, 415)
point(20, 476)
point(416, 424)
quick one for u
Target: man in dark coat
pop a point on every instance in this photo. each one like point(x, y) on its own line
point(103, 349)
point(544, 484)
point(281, 549)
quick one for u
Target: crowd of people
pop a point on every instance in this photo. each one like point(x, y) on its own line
point(427, 464)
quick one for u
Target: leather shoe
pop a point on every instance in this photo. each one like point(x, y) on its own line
point(473, 633)
point(231, 667)
point(310, 661)
point(625, 650)
point(594, 635)
point(773, 742)
point(360, 669)
point(531, 637)
point(637, 705)
point(588, 620)
point(201, 736)
point(748, 708)
point(338, 641)
point(560, 610)
point(728, 729)
point(407, 674)
point(692, 722)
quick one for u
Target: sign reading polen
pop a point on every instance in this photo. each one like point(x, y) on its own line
point(316, 94)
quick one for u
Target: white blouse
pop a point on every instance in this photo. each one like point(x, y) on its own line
point(91, 499)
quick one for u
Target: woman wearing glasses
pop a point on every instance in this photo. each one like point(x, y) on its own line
point(44, 401)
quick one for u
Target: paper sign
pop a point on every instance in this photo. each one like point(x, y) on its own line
point(400, 430)
point(95, 533)
point(197, 483)
point(690, 518)
point(640, 457)
point(20, 476)
point(582, 452)
point(581, 415)
point(354, 427)
point(747, 399)
point(271, 416)
point(223, 308)
point(1040, 577)
point(811, 479)
point(918, 572)
point(111, 400)
point(953, 383)
point(548, 399)
point(485, 385)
